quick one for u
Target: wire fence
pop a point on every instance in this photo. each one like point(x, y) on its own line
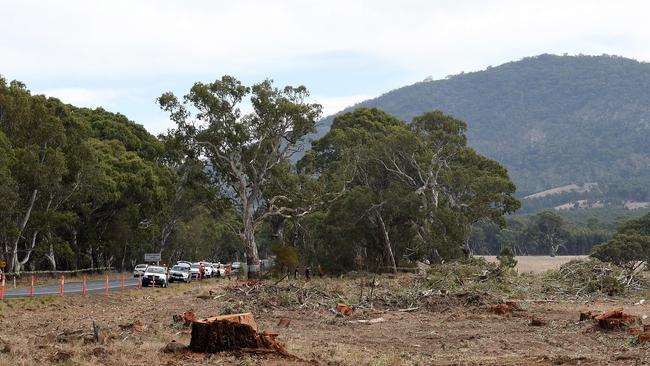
point(57, 273)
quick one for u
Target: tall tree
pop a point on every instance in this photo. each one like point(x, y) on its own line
point(242, 150)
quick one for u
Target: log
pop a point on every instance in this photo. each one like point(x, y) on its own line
point(616, 313)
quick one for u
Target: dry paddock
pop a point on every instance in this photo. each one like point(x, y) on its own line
point(537, 263)
point(135, 325)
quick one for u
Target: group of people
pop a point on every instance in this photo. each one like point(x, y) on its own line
point(227, 270)
point(307, 272)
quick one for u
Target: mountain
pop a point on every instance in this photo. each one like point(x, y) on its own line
point(551, 120)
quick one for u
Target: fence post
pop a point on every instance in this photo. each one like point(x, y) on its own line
point(31, 288)
point(106, 290)
point(83, 287)
point(2, 291)
point(122, 280)
point(140, 280)
point(62, 289)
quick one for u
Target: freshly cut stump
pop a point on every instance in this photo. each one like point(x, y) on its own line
point(224, 333)
point(236, 332)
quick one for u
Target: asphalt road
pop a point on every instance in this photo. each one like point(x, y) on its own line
point(71, 288)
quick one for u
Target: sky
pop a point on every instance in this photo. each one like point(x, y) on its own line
point(121, 55)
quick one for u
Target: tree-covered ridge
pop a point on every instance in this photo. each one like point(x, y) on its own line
point(551, 120)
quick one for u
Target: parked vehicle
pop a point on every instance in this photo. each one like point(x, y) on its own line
point(208, 269)
point(155, 275)
point(235, 267)
point(194, 270)
point(139, 270)
point(180, 273)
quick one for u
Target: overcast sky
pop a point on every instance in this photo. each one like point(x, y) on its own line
point(123, 54)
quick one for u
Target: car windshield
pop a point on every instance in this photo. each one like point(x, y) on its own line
point(195, 265)
point(141, 266)
point(156, 270)
point(181, 268)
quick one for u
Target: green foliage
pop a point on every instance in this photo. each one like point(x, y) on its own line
point(475, 274)
point(285, 257)
point(583, 277)
point(411, 191)
point(507, 258)
point(82, 187)
point(245, 153)
point(629, 246)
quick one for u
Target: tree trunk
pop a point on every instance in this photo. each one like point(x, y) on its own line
point(50, 256)
point(389, 258)
point(250, 246)
point(21, 263)
point(14, 258)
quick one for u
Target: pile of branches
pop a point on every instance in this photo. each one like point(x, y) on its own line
point(285, 295)
point(582, 277)
point(402, 293)
point(475, 274)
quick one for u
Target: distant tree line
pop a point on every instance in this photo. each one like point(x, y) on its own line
point(630, 246)
point(546, 233)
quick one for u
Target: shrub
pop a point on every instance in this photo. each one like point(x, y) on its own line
point(507, 258)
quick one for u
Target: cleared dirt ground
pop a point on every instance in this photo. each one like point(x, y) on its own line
point(456, 329)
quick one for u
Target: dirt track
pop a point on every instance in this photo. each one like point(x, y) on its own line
point(444, 333)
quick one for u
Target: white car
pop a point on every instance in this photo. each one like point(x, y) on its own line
point(194, 270)
point(208, 269)
point(180, 272)
point(139, 269)
point(155, 276)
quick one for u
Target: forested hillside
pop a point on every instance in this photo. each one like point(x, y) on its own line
point(551, 120)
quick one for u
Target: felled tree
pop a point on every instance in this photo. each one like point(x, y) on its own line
point(242, 150)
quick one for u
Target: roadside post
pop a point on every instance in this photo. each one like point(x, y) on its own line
point(122, 280)
point(83, 287)
point(62, 287)
point(31, 287)
point(2, 290)
point(140, 280)
point(106, 290)
point(153, 281)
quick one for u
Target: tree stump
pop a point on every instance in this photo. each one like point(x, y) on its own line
point(225, 333)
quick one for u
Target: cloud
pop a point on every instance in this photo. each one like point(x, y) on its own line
point(332, 105)
point(165, 37)
point(83, 51)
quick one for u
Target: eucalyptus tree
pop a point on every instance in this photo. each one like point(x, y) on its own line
point(242, 150)
point(418, 186)
point(353, 150)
